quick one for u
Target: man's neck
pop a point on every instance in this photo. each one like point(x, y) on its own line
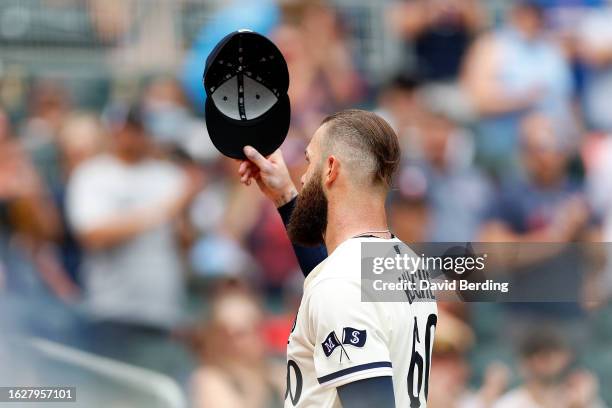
point(354, 216)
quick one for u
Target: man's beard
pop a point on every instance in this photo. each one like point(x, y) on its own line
point(309, 217)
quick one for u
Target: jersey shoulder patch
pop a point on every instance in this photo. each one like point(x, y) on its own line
point(354, 337)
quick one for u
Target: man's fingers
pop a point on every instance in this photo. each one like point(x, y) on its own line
point(277, 156)
point(256, 158)
point(245, 176)
point(250, 172)
point(243, 167)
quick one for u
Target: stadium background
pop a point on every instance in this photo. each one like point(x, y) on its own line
point(466, 124)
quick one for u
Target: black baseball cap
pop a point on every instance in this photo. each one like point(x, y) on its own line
point(246, 81)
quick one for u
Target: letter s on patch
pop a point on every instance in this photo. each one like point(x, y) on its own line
point(354, 337)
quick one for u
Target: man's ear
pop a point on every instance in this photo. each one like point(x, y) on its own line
point(331, 170)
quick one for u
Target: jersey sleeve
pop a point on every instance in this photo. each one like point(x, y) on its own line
point(350, 343)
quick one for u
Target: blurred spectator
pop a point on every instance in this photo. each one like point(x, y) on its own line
point(409, 208)
point(546, 205)
point(399, 103)
point(450, 370)
point(594, 50)
point(323, 76)
point(438, 31)
point(217, 256)
point(48, 107)
point(325, 40)
point(144, 39)
point(268, 242)
point(563, 16)
point(29, 223)
point(171, 123)
point(110, 20)
point(235, 371)
point(252, 223)
point(599, 172)
point(447, 154)
point(510, 72)
point(80, 138)
point(165, 110)
point(223, 213)
point(550, 379)
point(121, 206)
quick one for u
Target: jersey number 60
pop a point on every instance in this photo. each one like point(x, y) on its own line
point(416, 361)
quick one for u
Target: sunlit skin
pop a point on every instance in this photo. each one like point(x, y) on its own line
point(312, 154)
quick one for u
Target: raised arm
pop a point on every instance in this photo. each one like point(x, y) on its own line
point(272, 178)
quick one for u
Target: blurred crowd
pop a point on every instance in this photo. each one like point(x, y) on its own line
point(127, 221)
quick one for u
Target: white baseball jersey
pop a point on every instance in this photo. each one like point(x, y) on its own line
point(338, 339)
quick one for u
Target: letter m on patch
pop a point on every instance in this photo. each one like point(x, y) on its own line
point(330, 344)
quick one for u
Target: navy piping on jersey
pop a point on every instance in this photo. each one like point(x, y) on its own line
point(354, 369)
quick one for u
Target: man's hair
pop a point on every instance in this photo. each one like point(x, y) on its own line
point(365, 139)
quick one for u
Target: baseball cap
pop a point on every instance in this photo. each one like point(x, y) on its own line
point(246, 81)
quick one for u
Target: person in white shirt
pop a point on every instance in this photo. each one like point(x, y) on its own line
point(121, 206)
point(342, 351)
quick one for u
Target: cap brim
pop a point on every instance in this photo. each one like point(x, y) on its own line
point(265, 134)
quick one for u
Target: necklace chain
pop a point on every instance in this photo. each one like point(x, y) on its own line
point(373, 232)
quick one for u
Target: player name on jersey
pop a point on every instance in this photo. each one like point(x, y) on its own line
point(418, 287)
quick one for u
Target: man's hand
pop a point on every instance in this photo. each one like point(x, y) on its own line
point(271, 175)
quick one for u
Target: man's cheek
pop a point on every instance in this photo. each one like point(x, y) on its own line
point(304, 178)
